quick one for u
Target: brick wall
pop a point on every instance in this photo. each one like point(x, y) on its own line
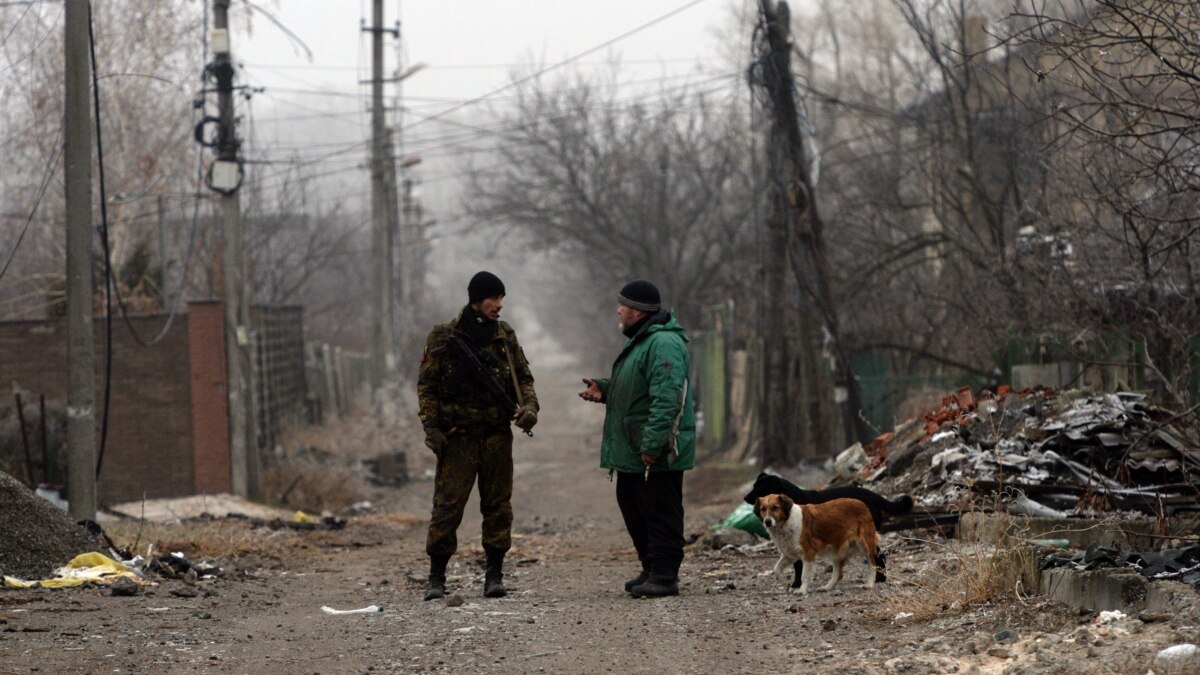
point(150, 433)
point(210, 421)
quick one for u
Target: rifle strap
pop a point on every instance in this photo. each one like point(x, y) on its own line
point(513, 372)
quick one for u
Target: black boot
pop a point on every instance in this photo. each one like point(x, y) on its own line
point(437, 577)
point(639, 579)
point(661, 583)
point(493, 579)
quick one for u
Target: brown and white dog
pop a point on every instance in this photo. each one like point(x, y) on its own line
point(833, 531)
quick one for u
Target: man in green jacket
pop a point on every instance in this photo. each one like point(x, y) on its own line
point(649, 435)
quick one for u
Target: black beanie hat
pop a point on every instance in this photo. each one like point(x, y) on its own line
point(640, 294)
point(484, 285)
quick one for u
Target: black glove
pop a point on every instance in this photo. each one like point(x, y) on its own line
point(526, 417)
point(435, 440)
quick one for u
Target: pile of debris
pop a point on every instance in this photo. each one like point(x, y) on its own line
point(36, 537)
point(1180, 563)
point(1042, 452)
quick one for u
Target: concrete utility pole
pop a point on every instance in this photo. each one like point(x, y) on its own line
point(226, 178)
point(81, 349)
point(383, 356)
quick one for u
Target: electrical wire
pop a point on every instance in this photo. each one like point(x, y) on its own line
point(560, 64)
point(108, 348)
point(36, 203)
point(111, 284)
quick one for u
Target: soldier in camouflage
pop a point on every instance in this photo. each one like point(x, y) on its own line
point(467, 426)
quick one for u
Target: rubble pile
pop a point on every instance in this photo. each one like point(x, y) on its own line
point(1044, 453)
point(35, 536)
point(1181, 563)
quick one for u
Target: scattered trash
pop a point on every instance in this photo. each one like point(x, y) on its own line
point(1111, 616)
point(1024, 506)
point(124, 587)
point(53, 495)
point(1178, 655)
point(370, 609)
point(86, 568)
point(902, 618)
point(850, 460)
point(1049, 453)
point(743, 518)
point(1180, 564)
point(302, 517)
point(1051, 543)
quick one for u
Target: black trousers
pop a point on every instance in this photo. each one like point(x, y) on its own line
point(653, 512)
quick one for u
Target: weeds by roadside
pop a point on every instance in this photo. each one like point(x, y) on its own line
point(972, 575)
point(225, 538)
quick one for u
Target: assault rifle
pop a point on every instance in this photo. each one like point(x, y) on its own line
point(481, 372)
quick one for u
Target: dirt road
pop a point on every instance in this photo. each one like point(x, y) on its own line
point(566, 610)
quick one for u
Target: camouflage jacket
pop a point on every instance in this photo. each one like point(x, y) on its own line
point(450, 395)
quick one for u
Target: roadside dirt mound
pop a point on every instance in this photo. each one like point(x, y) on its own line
point(36, 537)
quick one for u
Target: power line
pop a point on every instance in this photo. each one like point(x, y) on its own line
point(564, 62)
point(479, 66)
point(36, 203)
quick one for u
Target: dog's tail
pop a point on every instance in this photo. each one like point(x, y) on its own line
point(899, 505)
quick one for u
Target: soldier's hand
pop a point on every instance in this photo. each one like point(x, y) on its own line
point(592, 393)
point(525, 418)
point(435, 440)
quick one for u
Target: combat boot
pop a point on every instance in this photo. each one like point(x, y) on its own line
point(639, 579)
point(661, 583)
point(437, 577)
point(493, 579)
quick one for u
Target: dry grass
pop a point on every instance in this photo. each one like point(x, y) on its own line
point(312, 486)
point(968, 575)
point(218, 539)
point(318, 468)
point(356, 436)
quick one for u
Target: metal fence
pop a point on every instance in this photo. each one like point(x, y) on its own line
point(281, 391)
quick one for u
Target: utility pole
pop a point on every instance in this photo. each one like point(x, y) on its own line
point(795, 234)
point(383, 357)
point(81, 349)
point(226, 178)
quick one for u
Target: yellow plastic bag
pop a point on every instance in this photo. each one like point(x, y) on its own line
point(85, 568)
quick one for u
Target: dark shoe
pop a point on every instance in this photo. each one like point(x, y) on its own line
point(880, 572)
point(493, 580)
point(493, 586)
point(637, 581)
point(436, 590)
point(437, 577)
point(656, 587)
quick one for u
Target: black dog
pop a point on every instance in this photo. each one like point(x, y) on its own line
point(767, 484)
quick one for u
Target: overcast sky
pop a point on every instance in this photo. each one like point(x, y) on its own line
point(315, 110)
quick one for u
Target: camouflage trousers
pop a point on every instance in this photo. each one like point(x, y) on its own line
point(488, 456)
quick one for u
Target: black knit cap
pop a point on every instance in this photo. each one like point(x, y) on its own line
point(640, 294)
point(484, 285)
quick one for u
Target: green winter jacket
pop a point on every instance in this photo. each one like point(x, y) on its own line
point(648, 401)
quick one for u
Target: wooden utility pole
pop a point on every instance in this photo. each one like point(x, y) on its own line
point(383, 356)
point(777, 406)
point(226, 178)
point(81, 349)
point(796, 235)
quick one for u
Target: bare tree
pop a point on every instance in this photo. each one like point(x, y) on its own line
point(148, 56)
point(657, 190)
point(1120, 81)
